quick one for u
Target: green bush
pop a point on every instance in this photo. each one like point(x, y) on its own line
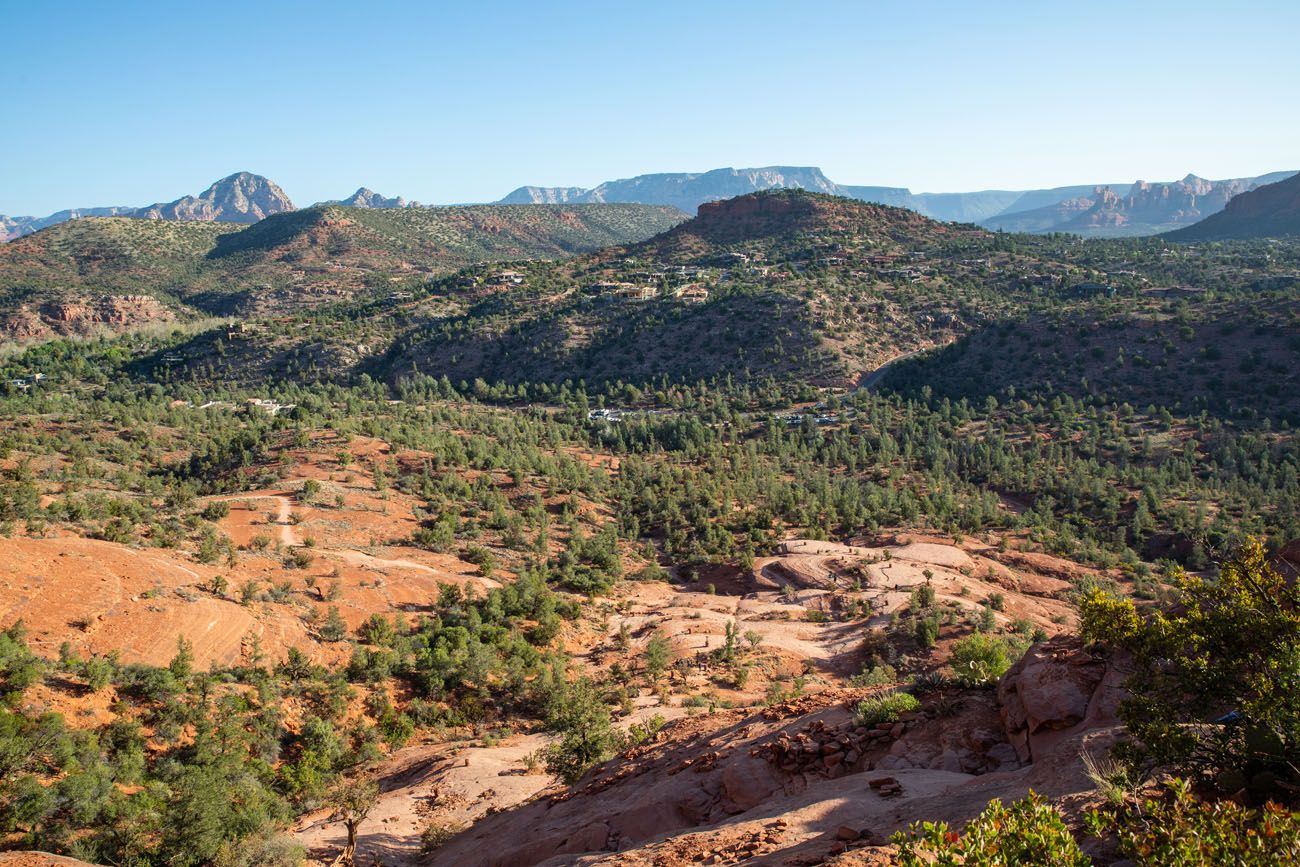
point(885, 708)
point(1181, 829)
point(1228, 645)
point(877, 675)
point(979, 660)
point(1029, 832)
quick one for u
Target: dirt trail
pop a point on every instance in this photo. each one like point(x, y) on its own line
point(284, 517)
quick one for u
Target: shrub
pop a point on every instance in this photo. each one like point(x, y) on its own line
point(300, 558)
point(587, 736)
point(877, 675)
point(1181, 829)
point(334, 628)
point(979, 660)
point(436, 834)
point(922, 596)
point(19, 667)
point(925, 682)
point(1030, 831)
point(1229, 645)
point(216, 510)
point(885, 708)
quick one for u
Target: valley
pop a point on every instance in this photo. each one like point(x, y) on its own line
point(593, 534)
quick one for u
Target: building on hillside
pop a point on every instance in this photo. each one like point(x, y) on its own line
point(506, 278)
point(692, 293)
point(271, 407)
point(638, 293)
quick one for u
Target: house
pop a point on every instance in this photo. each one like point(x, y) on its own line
point(506, 278)
point(692, 293)
point(638, 293)
point(270, 406)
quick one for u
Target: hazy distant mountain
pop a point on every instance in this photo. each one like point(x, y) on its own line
point(1143, 209)
point(239, 198)
point(365, 197)
point(16, 227)
point(688, 190)
point(1268, 211)
point(685, 191)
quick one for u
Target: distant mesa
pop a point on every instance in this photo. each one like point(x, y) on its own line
point(1088, 209)
point(685, 191)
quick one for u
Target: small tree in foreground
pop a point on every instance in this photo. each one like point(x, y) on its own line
point(351, 802)
point(1215, 689)
point(587, 735)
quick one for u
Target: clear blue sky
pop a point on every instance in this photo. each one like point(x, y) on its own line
point(134, 102)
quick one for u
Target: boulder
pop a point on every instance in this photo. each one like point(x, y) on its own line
point(1054, 688)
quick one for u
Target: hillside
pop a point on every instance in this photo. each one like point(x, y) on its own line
point(283, 262)
point(783, 296)
point(1270, 211)
point(441, 239)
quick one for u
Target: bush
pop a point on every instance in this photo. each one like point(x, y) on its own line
point(216, 510)
point(877, 675)
point(1180, 829)
point(19, 667)
point(436, 834)
point(1229, 646)
point(885, 708)
point(979, 660)
point(1030, 831)
point(587, 736)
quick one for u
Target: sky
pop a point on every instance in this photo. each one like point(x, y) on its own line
point(128, 103)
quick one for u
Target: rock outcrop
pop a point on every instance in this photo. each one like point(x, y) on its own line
point(83, 316)
point(1057, 689)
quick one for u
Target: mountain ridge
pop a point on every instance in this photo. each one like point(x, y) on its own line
point(1271, 210)
point(1147, 207)
point(242, 197)
point(1031, 209)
